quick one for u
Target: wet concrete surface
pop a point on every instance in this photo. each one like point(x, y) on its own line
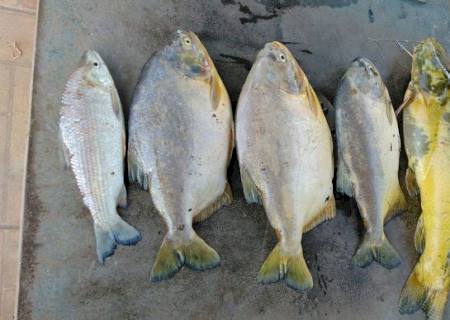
point(61, 278)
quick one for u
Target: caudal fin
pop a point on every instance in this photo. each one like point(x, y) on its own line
point(380, 251)
point(416, 296)
point(291, 268)
point(118, 233)
point(196, 254)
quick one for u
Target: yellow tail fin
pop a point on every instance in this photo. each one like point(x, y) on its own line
point(291, 268)
point(196, 255)
point(415, 295)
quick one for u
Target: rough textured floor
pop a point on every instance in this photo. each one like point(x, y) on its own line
point(61, 277)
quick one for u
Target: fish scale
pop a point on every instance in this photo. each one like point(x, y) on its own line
point(92, 136)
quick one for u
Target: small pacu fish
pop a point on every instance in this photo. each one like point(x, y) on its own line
point(426, 125)
point(93, 135)
point(181, 141)
point(286, 159)
point(368, 157)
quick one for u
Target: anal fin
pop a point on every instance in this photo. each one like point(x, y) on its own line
point(327, 213)
point(411, 185)
point(122, 200)
point(419, 237)
point(136, 172)
point(225, 198)
point(343, 183)
point(397, 204)
point(251, 192)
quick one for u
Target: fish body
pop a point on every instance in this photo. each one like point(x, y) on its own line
point(285, 155)
point(93, 135)
point(426, 123)
point(368, 157)
point(180, 144)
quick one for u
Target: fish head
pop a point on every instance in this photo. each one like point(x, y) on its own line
point(365, 78)
point(278, 68)
point(187, 54)
point(431, 68)
point(95, 70)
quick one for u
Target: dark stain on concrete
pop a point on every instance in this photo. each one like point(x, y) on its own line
point(306, 51)
point(247, 64)
point(252, 17)
point(371, 16)
point(403, 14)
point(289, 42)
point(33, 209)
point(285, 4)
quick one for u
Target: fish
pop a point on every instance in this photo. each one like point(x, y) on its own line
point(93, 134)
point(369, 146)
point(426, 131)
point(285, 155)
point(181, 138)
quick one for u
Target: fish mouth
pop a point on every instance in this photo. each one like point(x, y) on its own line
point(362, 63)
point(271, 48)
point(91, 56)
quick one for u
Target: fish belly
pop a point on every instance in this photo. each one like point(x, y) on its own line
point(188, 154)
point(369, 148)
point(288, 156)
point(427, 136)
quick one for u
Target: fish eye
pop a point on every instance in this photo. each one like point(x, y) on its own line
point(95, 64)
point(282, 57)
point(187, 41)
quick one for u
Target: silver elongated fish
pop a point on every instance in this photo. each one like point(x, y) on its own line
point(368, 157)
point(93, 135)
point(285, 155)
point(181, 140)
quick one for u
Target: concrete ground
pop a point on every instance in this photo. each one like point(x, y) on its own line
point(61, 278)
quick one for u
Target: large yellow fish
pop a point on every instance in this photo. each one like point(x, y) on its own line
point(426, 121)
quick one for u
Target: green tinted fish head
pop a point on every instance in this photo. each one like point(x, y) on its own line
point(364, 77)
point(431, 68)
point(95, 70)
point(280, 69)
point(187, 54)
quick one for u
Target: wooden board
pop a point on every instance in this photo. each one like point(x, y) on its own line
point(18, 21)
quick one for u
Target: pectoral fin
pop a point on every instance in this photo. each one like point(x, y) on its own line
point(409, 97)
point(217, 90)
point(313, 100)
point(65, 150)
point(251, 192)
point(327, 213)
point(419, 238)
